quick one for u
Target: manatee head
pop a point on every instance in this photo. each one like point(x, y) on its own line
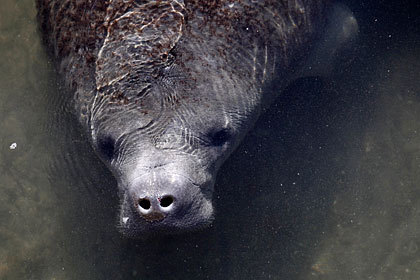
point(164, 141)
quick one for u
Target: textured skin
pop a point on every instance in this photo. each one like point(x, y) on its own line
point(159, 81)
point(76, 30)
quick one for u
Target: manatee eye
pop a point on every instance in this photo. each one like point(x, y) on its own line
point(106, 146)
point(219, 137)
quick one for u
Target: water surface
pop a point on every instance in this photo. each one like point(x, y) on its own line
point(327, 186)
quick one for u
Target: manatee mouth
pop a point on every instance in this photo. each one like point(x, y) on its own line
point(162, 203)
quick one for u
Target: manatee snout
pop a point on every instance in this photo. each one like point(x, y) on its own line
point(158, 201)
point(154, 207)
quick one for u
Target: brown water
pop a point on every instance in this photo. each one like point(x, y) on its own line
point(327, 186)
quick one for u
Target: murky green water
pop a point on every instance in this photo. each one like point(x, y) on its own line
point(326, 187)
point(27, 200)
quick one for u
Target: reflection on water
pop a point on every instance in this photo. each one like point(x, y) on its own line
point(338, 197)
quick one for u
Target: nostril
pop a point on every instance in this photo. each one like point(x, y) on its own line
point(166, 201)
point(144, 203)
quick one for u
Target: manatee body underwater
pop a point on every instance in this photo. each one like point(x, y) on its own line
point(165, 90)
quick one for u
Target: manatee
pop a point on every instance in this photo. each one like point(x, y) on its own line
point(166, 90)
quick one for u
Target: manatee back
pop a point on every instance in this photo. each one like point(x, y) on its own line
point(258, 39)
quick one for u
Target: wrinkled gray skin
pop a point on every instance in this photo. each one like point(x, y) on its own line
point(167, 89)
